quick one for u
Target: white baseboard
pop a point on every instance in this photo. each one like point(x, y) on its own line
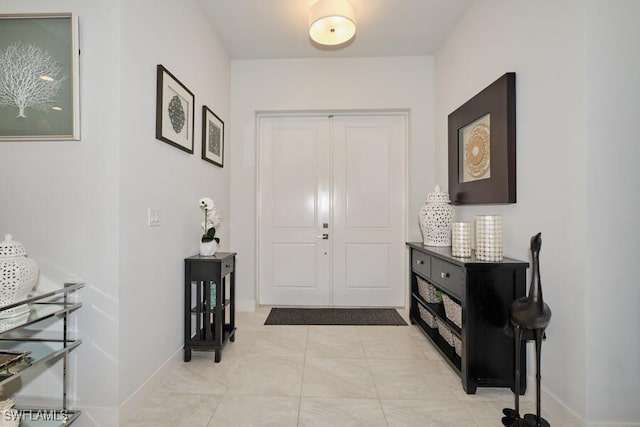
point(90, 416)
point(557, 410)
point(563, 416)
point(246, 305)
point(129, 407)
point(97, 417)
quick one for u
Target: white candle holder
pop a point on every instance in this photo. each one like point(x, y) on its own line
point(461, 239)
point(489, 238)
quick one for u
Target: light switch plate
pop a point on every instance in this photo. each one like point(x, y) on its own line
point(153, 217)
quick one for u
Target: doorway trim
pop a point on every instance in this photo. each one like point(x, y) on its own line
point(404, 113)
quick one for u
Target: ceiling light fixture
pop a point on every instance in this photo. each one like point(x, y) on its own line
point(332, 22)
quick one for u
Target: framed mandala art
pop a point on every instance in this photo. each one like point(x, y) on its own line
point(39, 89)
point(482, 146)
point(174, 111)
point(212, 137)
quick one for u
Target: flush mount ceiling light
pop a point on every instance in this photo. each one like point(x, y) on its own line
point(332, 22)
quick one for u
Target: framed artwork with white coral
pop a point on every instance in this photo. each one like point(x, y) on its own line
point(39, 88)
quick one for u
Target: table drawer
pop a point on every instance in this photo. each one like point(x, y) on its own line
point(449, 276)
point(421, 263)
point(228, 265)
point(204, 270)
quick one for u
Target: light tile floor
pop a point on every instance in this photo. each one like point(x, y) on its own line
point(322, 376)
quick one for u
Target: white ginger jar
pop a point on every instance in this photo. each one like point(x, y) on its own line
point(436, 216)
point(18, 276)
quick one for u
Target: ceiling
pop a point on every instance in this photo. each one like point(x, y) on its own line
point(260, 29)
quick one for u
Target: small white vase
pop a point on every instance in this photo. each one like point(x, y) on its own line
point(208, 248)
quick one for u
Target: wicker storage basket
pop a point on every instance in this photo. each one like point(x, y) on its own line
point(428, 291)
point(453, 310)
point(428, 317)
point(457, 345)
point(445, 331)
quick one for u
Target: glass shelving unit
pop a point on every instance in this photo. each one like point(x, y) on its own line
point(57, 305)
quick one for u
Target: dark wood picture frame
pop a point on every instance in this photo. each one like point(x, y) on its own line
point(212, 137)
point(497, 103)
point(174, 111)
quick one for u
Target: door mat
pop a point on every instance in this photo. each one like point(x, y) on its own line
point(335, 316)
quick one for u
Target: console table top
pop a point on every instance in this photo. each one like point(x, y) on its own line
point(444, 252)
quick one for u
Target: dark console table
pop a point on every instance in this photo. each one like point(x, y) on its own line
point(209, 325)
point(485, 291)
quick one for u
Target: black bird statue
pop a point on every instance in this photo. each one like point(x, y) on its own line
point(533, 314)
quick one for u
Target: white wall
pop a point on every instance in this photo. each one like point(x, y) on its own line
point(60, 200)
point(568, 121)
point(322, 85)
point(80, 208)
point(551, 155)
point(154, 174)
point(613, 202)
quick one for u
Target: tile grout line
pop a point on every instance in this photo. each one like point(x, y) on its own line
point(375, 386)
point(304, 364)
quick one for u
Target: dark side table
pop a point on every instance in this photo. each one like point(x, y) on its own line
point(209, 325)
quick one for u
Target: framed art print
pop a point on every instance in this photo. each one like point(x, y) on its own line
point(474, 141)
point(174, 111)
point(39, 88)
point(212, 137)
point(482, 146)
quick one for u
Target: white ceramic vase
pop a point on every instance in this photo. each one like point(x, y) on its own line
point(436, 216)
point(208, 248)
point(18, 276)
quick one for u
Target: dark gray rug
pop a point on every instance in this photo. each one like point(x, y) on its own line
point(334, 316)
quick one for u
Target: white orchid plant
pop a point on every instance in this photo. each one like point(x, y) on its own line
point(211, 220)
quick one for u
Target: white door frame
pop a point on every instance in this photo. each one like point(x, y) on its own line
point(324, 113)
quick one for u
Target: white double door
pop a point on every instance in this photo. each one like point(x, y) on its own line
point(331, 210)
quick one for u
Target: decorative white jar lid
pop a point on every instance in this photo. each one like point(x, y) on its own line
point(438, 196)
point(10, 248)
point(18, 276)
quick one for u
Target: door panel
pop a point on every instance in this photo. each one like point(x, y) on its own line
point(294, 274)
point(366, 172)
point(295, 176)
point(367, 265)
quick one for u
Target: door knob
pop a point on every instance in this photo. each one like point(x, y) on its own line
point(324, 236)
